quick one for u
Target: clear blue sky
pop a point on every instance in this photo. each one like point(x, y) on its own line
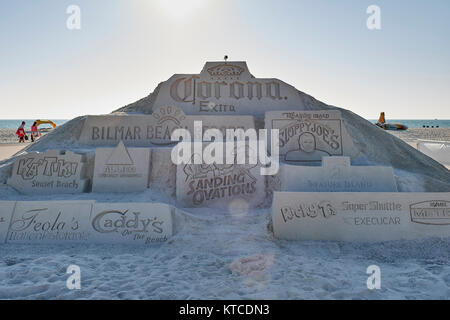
point(322, 47)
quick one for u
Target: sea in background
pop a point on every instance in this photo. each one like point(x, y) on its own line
point(14, 124)
point(426, 123)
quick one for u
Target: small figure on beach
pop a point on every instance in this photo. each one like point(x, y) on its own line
point(34, 132)
point(21, 133)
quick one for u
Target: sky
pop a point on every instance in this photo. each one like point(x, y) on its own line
point(322, 47)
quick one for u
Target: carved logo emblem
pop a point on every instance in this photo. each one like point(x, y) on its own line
point(435, 212)
point(225, 70)
point(119, 156)
point(166, 120)
point(169, 114)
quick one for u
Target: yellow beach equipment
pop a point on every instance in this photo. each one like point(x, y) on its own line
point(39, 122)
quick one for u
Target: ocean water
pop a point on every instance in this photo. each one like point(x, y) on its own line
point(14, 124)
point(425, 123)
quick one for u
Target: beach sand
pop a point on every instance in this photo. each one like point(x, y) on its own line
point(412, 135)
point(8, 150)
point(9, 143)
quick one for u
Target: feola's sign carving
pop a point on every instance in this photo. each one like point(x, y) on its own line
point(226, 88)
point(6, 211)
point(50, 222)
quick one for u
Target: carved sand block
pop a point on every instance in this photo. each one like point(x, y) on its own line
point(166, 119)
point(337, 175)
point(222, 123)
point(163, 172)
point(152, 130)
point(360, 216)
point(121, 169)
point(50, 222)
point(220, 185)
point(307, 136)
point(226, 88)
point(49, 173)
point(109, 130)
point(6, 212)
point(134, 223)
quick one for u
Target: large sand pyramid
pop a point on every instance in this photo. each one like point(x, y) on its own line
point(229, 89)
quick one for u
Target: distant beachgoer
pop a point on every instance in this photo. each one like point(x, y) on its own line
point(21, 132)
point(34, 132)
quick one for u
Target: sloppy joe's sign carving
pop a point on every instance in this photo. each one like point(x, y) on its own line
point(307, 136)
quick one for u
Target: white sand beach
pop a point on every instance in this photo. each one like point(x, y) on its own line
point(412, 135)
point(9, 149)
point(9, 143)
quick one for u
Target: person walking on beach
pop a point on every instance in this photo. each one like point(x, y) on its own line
point(34, 132)
point(21, 132)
